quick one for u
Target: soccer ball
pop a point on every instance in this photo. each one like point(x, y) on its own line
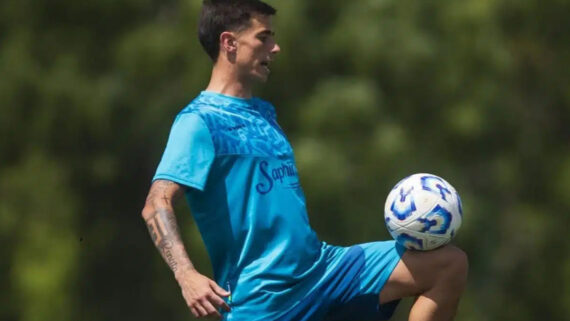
point(423, 212)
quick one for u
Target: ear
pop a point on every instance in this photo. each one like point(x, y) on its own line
point(228, 42)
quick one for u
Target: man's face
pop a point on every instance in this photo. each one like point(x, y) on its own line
point(256, 48)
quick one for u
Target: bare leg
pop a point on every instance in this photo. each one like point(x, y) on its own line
point(436, 277)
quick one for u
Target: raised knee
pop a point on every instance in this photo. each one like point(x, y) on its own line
point(445, 268)
point(456, 264)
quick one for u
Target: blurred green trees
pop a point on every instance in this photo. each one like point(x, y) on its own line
point(368, 91)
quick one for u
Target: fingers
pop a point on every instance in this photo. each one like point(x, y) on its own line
point(219, 290)
point(194, 312)
point(208, 306)
point(217, 301)
point(210, 309)
point(203, 296)
point(201, 311)
point(205, 309)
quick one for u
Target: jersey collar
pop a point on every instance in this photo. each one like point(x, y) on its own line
point(229, 100)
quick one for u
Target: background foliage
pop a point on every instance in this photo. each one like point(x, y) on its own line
point(368, 91)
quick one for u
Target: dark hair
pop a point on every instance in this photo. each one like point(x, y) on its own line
point(218, 16)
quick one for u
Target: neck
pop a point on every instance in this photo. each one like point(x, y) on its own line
point(224, 80)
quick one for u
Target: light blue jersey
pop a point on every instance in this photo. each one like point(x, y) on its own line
point(247, 201)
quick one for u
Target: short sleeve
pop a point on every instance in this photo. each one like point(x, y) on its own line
point(189, 152)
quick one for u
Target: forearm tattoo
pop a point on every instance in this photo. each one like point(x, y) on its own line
point(164, 231)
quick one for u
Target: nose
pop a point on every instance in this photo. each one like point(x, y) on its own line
point(275, 49)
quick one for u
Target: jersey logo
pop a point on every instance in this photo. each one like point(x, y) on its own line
point(284, 174)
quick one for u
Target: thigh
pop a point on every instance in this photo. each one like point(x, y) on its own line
point(417, 272)
point(376, 261)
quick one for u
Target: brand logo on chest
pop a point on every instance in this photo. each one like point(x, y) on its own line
point(284, 174)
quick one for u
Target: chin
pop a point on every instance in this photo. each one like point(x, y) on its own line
point(260, 78)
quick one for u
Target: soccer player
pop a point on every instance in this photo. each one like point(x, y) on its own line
point(231, 159)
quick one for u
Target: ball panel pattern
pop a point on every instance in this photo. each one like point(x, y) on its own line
point(423, 212)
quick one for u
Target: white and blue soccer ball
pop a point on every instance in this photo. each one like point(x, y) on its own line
point(423, 212)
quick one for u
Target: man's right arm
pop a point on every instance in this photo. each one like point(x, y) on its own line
point(202, 295)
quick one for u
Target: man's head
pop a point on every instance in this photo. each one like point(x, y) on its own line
point(240, 31)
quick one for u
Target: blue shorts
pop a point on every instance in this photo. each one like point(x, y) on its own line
point(347, 289)
point(351, 290)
